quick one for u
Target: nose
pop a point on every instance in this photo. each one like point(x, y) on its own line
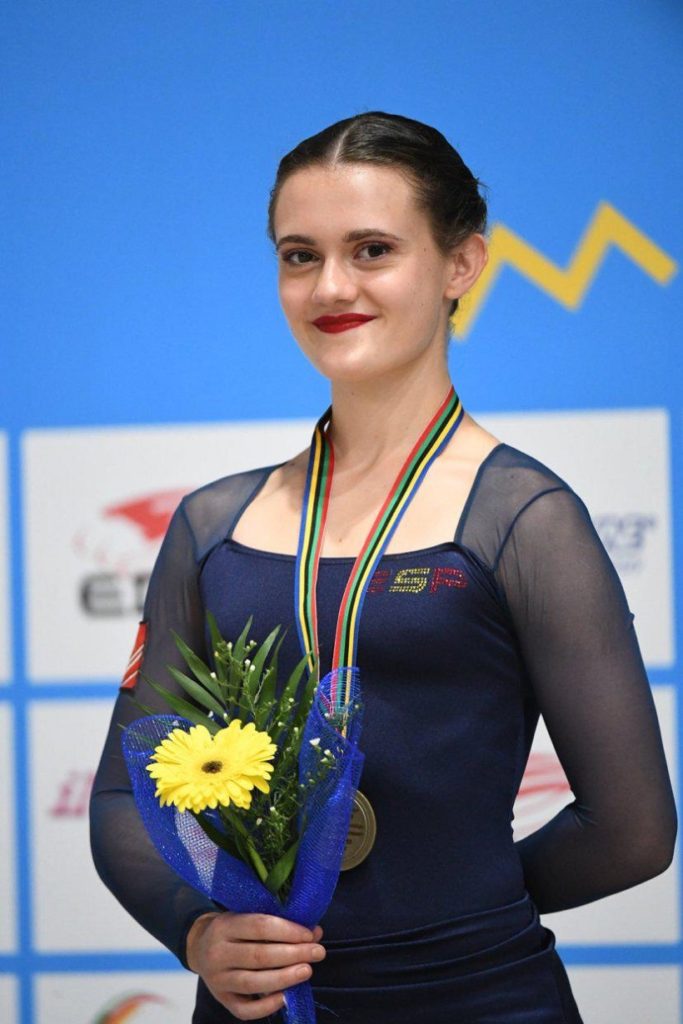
point(335, 283)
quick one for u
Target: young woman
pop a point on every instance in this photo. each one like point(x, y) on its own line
point(493, 601)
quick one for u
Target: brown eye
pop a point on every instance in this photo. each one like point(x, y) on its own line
point(289, 257)
point(376, 249)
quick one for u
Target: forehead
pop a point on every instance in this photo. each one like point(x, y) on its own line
point(328, 200)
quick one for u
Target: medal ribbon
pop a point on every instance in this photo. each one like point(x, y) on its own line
point(429, 445)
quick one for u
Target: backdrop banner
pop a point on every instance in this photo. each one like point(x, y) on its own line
point(145, 354)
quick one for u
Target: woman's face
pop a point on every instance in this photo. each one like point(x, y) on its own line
point(352, 240)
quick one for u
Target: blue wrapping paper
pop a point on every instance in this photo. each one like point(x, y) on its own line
point(324, 817)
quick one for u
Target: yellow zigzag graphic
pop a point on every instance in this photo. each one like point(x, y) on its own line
point(607, 228)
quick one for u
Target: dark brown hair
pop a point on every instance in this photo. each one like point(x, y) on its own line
point(445, 188)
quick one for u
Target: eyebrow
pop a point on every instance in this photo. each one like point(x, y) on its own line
point(350, 236)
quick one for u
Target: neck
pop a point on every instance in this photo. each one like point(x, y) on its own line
point(374, 423)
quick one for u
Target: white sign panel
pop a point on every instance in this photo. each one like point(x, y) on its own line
point(9, 1013)
point(5, 624)
point(97, 506)
point(8, 890)
point(618, 462)
point(160, 997)
point(66, 743)
point(644, 914)
point(627, 995)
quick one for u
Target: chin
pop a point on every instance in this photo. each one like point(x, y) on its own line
point(353, 374)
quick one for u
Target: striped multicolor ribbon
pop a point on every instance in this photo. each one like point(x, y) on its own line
point(429, 445)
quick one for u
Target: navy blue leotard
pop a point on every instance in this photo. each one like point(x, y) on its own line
point(462, 645)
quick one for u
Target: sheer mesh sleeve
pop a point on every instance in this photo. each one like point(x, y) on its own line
point(583, 661)
point(124, 856)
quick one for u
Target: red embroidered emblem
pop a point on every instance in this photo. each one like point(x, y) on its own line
point(419, 580)
point(447, 576)
point(130, 676)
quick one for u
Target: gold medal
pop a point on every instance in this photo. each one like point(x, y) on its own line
point(362, 832)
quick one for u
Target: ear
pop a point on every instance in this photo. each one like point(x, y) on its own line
point(466, 263)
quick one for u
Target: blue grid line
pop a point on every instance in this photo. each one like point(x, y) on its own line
point(108, 692)
point(613, 956)
point(76, 963)
point(22, 837)
point(70, 691)
point(665, 676)
point(125, 959)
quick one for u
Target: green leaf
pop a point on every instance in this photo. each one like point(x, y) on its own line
point(254, 671)
point(197, 692)
point(306, 701)
point(240, 645)
point(292, 684)
point(283, 710)
point(274, 659)
point(187, 710)
point(236, 669)
point(200, 669)
point(216, 642)
point(265, 699)
point(281, 871)
point(144, 707)
point(260, 657)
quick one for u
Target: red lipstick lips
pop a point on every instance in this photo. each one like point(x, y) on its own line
point(343, 322)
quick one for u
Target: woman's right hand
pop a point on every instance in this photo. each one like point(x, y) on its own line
point(240, 955)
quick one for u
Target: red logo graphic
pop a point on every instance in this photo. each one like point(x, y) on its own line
point(151, 514)
point(127, 534)
point(120, 545)
point(420, 580)
point(73, 795)
point(543, 792)
point(123, 1008)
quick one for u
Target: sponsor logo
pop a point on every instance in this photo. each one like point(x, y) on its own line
point(418, 580)
point(73, 794)
point(625, 538)
point(121, 545)
point(543, 791)
point(124, 1008)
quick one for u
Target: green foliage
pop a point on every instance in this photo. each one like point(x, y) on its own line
point(242, 684)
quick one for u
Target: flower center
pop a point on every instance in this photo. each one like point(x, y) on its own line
point(212, 767)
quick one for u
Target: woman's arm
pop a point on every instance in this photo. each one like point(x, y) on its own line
point(583, 660)
point(125, 857)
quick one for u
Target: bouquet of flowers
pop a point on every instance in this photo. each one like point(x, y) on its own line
point(247, 795)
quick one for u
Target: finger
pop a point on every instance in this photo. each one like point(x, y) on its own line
point(245, 1008)
point(251, 982)
point(264, 928)
point(258, 956)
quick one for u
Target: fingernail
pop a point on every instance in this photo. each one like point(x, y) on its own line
point(318, 952)
point(303, 971)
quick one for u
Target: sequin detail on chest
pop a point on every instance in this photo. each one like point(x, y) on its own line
point(422, 579)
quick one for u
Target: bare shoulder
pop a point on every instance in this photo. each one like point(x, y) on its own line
point(289, 477)
point(271, 519)
point(468, 447)
point(435, 510)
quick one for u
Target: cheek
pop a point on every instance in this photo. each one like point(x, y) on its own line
point(290, 293)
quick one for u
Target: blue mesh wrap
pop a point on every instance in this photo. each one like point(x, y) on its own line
point(324, 817)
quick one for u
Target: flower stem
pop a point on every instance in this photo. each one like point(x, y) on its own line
point(256, 861)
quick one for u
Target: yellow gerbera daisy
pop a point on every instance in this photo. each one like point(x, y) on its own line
point(196, 770)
